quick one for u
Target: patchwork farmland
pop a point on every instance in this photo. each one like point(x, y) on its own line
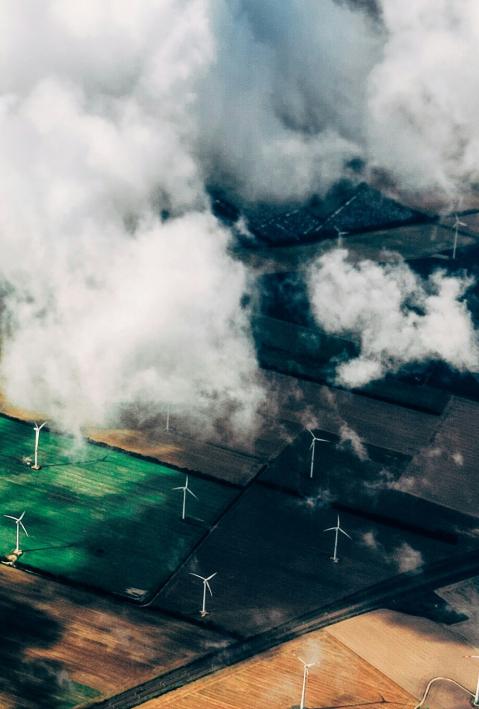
point(98, 516)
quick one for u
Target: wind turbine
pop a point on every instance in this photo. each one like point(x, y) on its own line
point(306, 667)
point(206, 585)
point(337, 529)
point(37, 429)
point(167, 423)
point(313, 448)
point(185, 490)
point(457, 224)
point(340, 236)
point(18, 522)
point(476, 696)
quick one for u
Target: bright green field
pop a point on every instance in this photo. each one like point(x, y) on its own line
point(99, 516)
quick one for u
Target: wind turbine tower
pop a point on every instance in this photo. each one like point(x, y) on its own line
point(476, 696)
point(306, 667)
point(313, 450)
point(206, 585)
point(337, 530)
point(457, 224)
point(18, 522)
point(340, 236)
point(37, 429)
point(186, 490)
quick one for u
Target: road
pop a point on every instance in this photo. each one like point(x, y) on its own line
point(433, 576)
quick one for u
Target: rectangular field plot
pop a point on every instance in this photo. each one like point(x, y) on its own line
point(273, 561)
point(99, 516)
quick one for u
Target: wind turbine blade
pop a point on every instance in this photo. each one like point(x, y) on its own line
point(345, 533)
point(197, 576)
point(43, 424)
point(23, 527)
point(191, 492)
point(212, 576)
point(330, 529)
point(209, 588)
point(177, 488)
point(301, 660)
point(11, 517)
point(22, 515)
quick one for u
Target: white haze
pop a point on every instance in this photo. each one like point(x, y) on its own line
point(115, 114)
point(396, 317)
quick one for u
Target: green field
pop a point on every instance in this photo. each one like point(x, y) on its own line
point(99, 516)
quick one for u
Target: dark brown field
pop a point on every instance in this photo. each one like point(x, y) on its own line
point(54, 638)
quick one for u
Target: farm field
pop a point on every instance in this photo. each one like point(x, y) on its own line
point(62, 646)
point(273, 561)
point(411, 241)
point(274, 679)
point(235, 462)
point(454, 451)
point(99, 516)
point(326, 408)
point(411, 651)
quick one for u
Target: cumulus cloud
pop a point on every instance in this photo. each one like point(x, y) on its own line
point(396, 317)
point(118, 286)
point(299, 88)
point(422, 93)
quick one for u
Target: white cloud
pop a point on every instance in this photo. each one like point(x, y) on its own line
point(407, 558)
point(112, 114)
point(105, 304)
point(395, 317)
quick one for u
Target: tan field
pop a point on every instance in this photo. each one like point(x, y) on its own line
point(411, 651)
point(379, 658)
point(274, 679)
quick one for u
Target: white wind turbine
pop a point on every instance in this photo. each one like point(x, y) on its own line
point(476, 696)
point(313, 449)
point(306, 667)
point(37, 429)
point(340, 236)
point(18, 522)
point(206, 585)
point(337, 529)
point(167, 423)
point(457, 224)
point(186, 490)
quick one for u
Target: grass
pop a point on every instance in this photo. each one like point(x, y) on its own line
point(99, 516)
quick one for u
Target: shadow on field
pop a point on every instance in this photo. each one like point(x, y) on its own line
point(31, 682)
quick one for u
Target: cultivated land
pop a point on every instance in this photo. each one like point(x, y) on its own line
point(61, 646)
point(411, 651)
point(99, 516)
point(269, 550)
point(274, 679)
